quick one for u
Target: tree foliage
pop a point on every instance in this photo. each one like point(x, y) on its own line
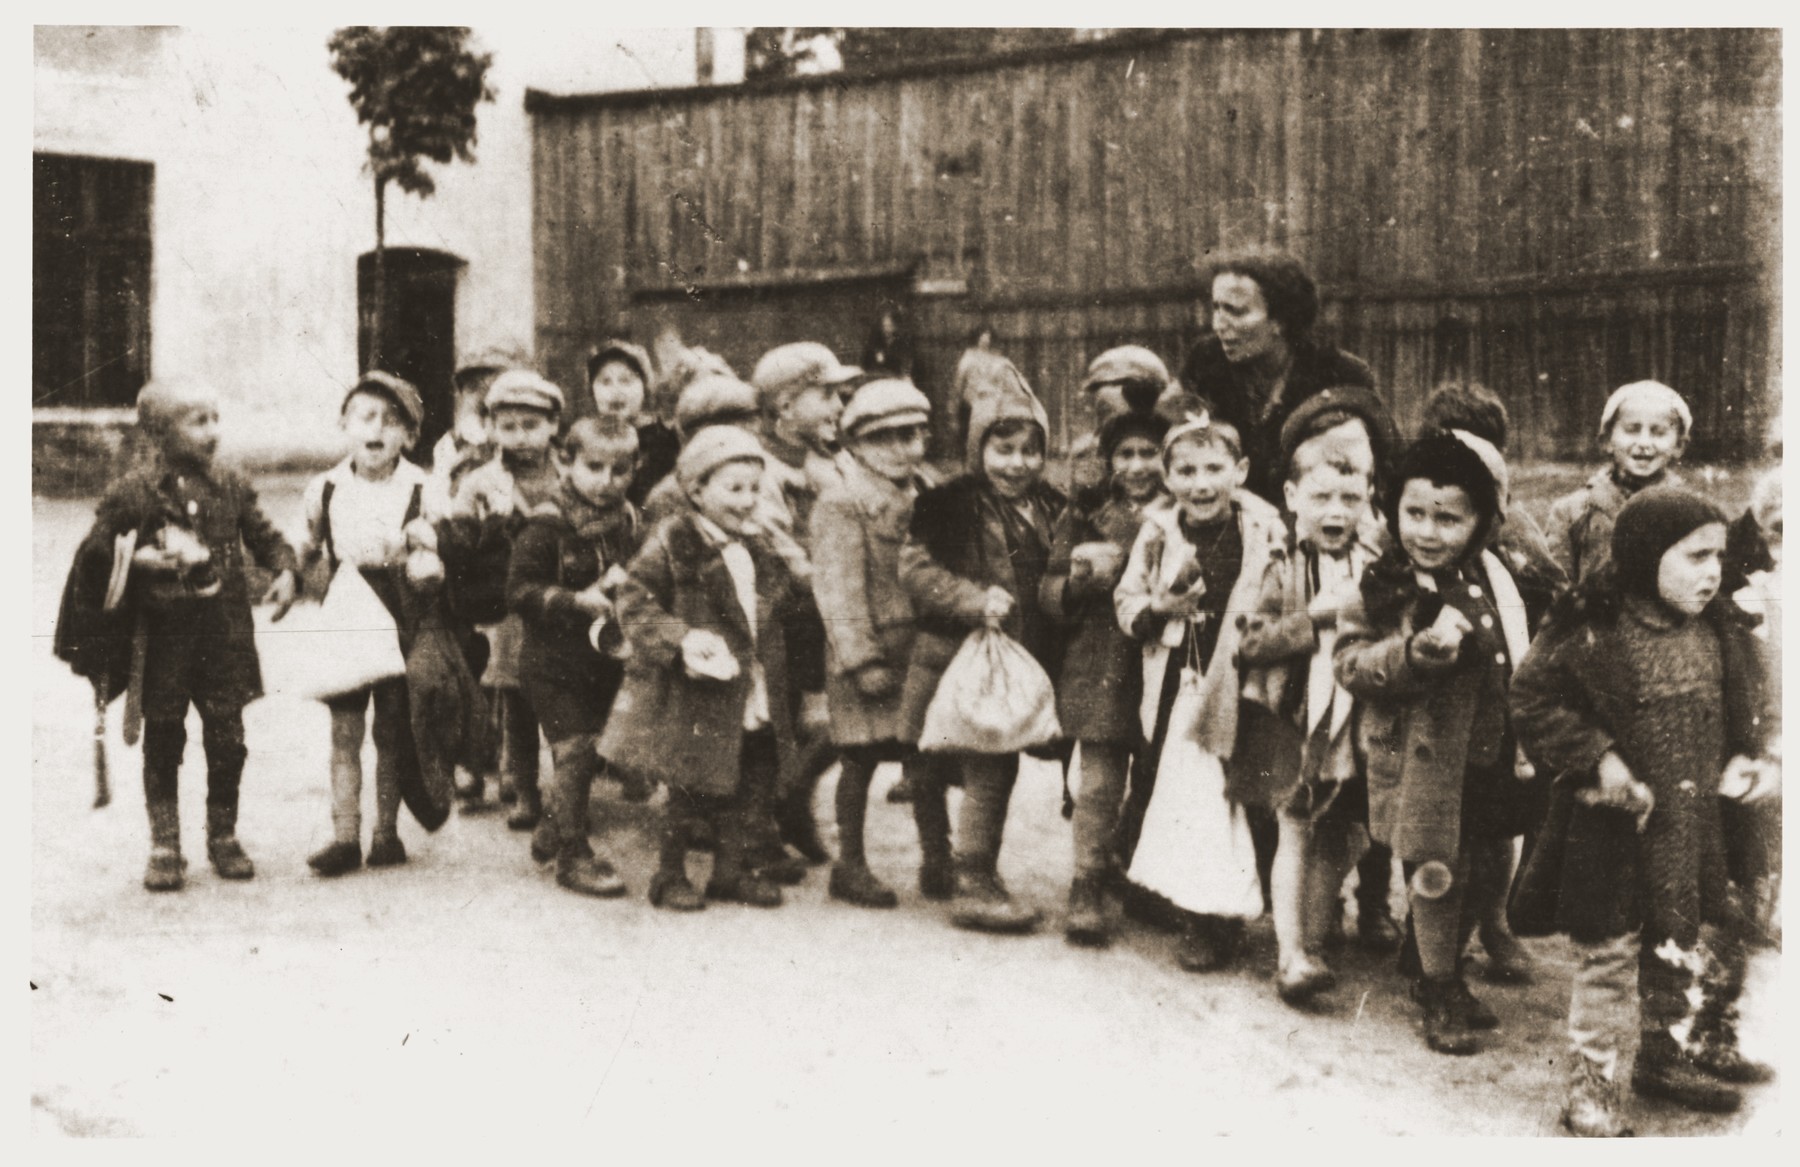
point(790, 52)
point(416, 89)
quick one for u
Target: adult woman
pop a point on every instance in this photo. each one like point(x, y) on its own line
point(1262, 359)
point(1261, 363)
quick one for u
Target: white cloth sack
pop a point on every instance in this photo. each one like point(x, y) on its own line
point(994, 698)
point(346, 642)
point(1195, 848)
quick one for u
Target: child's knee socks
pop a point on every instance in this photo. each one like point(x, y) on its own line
point(854, 776)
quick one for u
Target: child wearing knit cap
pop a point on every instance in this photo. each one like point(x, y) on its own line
point(367, 515)
point(476, 540)
point(704, 706)
point(858, 526)
point(1100, 675)
point(976, 550)
point(1427, 649)
point(1644, 429)
point(1646, 692)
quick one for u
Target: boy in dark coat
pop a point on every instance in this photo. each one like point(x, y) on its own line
point(1646, 693)
point(567, 563)
point(194, 641)
point(975, 555)
point(704, 706)
point(1101, 673)
point(1428, 649)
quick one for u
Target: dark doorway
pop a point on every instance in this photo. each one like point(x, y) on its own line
point(419, 332)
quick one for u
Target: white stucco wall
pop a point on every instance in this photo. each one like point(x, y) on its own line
point(262, 206)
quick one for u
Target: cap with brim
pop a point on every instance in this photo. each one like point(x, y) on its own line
point(1361, 403)
point(1127, 364)
point(885, 404)
point(400, 394)
point(524, 389)
point(493, 358)
point(791, 369)
point(712, 398)
point(710, 449)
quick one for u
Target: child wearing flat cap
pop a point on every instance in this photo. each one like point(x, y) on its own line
point(366, 514)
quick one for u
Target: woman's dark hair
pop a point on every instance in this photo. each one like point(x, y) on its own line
point(1287, 287)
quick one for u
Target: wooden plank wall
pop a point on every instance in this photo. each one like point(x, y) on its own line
point(1550, 211)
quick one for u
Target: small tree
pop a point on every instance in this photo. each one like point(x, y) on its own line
point(416, 89)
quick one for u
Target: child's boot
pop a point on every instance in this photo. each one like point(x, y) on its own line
point(164, 871)
point(1302, 978)
point(581, 871)
point(733, 880)
point(1592, 1108)
point(670, 887)
point(1445, 1030)
point(528, 808)
point(222, 846)
point(937, 874)
point(386, 850)
point(337, 858)
point(1376, 930)
point(385, 847)
point(854, 883)
point(1664, 1070)
point(982, 902)
point(1713, 1045)
point(1087, 924)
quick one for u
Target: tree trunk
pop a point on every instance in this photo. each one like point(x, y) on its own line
point(378, 325)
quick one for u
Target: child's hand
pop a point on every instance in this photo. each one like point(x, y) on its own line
point(1176, 603)
point(151, 557)
point(420, 536)
point(594, 601)
point(706, 656)
point(613, 580)
point(1328, 604)
point(1097, 561)
point(281, 595)
point(877, 681)
point(1749, 780)
point(1620, 790)
point(998, 607)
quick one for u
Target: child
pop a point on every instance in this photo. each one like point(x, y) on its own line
point(1473, 409)
point(1127, 379)
point(857, 529)
point(703, 707)
point(1286, 651)
point(619, 376)
point(1427, 651)
point(975, 554)
point(1199, 557)
point(193, 523)
point(1644, 690)
point(566, 565)
point(798, 387)
point(524, 412)
point(1098, 683)
point(1644, 428)
point(356, 517)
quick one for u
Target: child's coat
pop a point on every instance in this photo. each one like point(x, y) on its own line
point(669, 726)
point(1100, 682)
point(1413, 726)
point(1579, 530)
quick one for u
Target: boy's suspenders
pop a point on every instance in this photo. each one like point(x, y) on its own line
point(413, 505)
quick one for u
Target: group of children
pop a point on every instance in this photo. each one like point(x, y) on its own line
point(1250, 691)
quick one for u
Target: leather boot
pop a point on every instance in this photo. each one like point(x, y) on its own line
point(1665, 1071)
point(984, 905)
point(1713, 1046)
point(528, 808)
point(386, 851)
point(588, 876)
point(937, 878)
point(1302, 979)
point(799, 829)
point(1087, 925)
point(165, 870)
point(1470, 1008)
point(222, 846)
point(1592, 1108)
point(733, 881)
point(336, 859)
point(854, 883)
point(1445, 1030)
point(1509, 962)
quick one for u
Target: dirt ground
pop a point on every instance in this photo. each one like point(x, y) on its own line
point(465, 993)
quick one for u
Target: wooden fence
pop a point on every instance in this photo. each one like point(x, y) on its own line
point(1552, 212)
